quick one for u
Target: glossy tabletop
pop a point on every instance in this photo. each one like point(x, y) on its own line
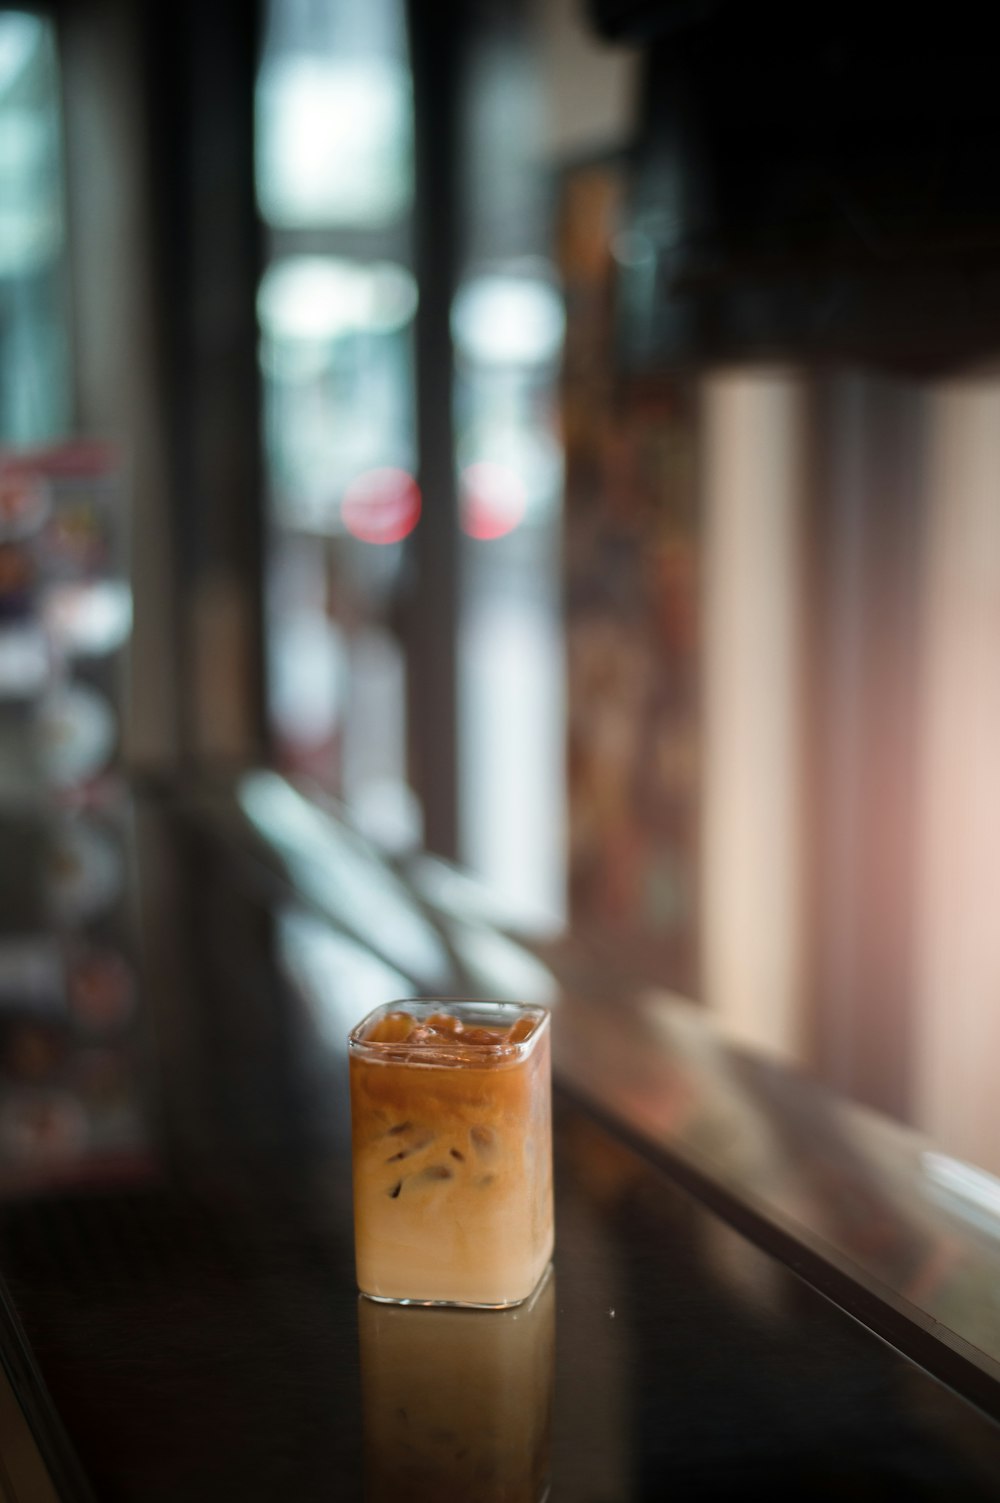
point(180, 1317)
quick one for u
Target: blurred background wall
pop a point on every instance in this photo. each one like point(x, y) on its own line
point(565, 438)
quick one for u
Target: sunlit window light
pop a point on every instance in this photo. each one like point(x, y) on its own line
point(502, 967)
point(34, 347)
point(751, 858)
point(508, 320)
point(977, 1194)
point(308, 676)
point(30, 200)
point(334, 140)
point(319, 298)
point(338, 872)
point(341, 979)
point(20, 34)
point(956, 936)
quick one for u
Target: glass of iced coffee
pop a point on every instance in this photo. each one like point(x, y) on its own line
point(457, 1405)
point(452, 1145)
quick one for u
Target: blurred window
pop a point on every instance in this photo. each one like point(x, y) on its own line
point(336, 306)
point(335, 143)
point(337, 364)
point(507, 325)
point(336, 310)
point(34, 357)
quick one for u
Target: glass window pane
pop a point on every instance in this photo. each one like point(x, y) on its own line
point(34, 364)
point(336, 307)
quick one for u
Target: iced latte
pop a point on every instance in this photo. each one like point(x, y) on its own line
point(452, 1144)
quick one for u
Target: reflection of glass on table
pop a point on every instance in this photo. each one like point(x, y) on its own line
point(452, 1144)
point(457, 1403)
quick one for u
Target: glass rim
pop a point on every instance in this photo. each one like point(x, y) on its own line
point(448, 1053)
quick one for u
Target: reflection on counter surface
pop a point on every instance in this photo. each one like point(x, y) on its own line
point(458, 1403)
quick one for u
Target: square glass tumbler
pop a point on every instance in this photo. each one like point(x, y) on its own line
point(452, 1148)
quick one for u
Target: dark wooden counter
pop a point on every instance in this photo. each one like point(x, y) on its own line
point(180, 1320)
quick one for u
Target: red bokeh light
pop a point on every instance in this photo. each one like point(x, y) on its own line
point(381, 506)
point(493, 500)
